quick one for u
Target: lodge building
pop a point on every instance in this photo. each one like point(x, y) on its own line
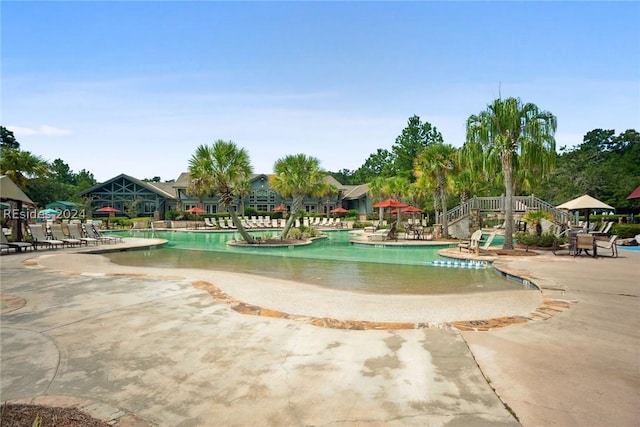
point(155, 199)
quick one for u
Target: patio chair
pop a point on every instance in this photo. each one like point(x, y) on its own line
point(18, 246)
point(41, 239)
point(472, 244)
point(609, 244)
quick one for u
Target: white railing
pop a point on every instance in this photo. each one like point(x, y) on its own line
point(496, 204)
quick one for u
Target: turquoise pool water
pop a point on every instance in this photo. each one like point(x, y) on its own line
point(330, 262)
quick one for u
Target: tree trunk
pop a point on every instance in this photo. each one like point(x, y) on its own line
point(295, 207)
point(243, 232)
point(443, 203)
point(508, 202)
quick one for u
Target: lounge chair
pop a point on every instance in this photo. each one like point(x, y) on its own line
point(18, 246)
point(385, 234)
point(75, 232)
point(91, 231)
point(6, 248)
point(208, 223)
point(56, 232)
point(472, 244)
point(487, 243)
point(609, 244)
point(41, 239)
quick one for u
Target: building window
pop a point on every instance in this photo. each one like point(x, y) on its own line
point(211, 208)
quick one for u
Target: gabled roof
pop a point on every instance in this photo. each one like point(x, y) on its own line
point(353, 192)
point(148, 185)
point(10, 191)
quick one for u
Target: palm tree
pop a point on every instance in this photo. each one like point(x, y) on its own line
point(243, 189)
point(200, 174)
point(296, 176)
point(21, 166)
point(512, 136)
point(221, 167)
point(436, 163)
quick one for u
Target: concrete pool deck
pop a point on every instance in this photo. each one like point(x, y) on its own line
point(153, 347)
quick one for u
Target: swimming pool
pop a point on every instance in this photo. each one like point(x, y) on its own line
point(330, 262)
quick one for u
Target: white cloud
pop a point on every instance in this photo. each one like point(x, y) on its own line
point(41, 130)
point(50, 130)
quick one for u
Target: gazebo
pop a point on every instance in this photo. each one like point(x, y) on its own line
point(11, 193)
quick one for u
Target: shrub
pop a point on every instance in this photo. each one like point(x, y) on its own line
point(362, 224)
point(625, 231)
point(526, 239)
point(295, 233)
point(546, 240)
point(173, 214)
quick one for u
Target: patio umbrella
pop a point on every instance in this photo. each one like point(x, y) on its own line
point(196, 209)
point(635, 194)
point(389, 203)
point(339, 209)
point(48, 212)
point(584, 203)
point(108, 209)
point(280, 208)
point(411, 209)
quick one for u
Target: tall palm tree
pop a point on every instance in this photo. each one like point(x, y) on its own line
point(200, 175)
point(296, 176)
point(513, 136)
point(221, 168)
point(243, 189)
point(436, 163)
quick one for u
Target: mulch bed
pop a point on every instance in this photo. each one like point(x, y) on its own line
point(21, 415)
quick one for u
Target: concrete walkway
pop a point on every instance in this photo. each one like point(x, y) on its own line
point(152, 346)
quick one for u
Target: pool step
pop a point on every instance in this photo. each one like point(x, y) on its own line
point(460, 264)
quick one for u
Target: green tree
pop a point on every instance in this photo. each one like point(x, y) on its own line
point(131, 207)
point(605, 166)
point(84, 180)
point(297, 176)
point(200, 173)
point(7, 139)
point(21, 166)
point(413, 139)
point(436, 163)
point(221, 167)
point(512, 135)
point(243, 189)
point(378, 164)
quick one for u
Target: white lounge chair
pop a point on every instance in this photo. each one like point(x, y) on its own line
point(609, 245)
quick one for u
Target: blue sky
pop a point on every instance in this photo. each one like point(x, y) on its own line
point(135, 87)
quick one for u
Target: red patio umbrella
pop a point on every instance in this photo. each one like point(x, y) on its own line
point(108, 209)
point(389, 203)
point(280, 208)
point(195, 209)
point(339, 209)
point(410, 209)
